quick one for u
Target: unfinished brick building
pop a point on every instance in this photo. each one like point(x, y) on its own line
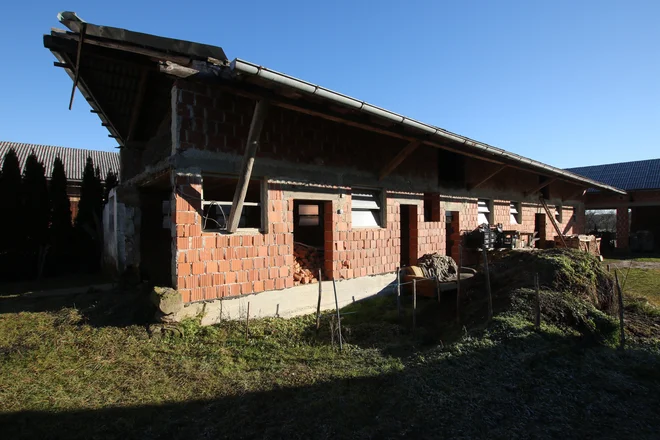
point(225, 165)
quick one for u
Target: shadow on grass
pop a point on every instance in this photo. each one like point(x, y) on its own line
point(539, 386)
point(117, 308)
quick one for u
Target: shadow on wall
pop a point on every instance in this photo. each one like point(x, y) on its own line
point(545, 389)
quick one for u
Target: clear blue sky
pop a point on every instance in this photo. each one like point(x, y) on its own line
point(566, 82)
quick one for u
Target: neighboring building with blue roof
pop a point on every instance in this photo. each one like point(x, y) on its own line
point(629, 176)
point(637, 211)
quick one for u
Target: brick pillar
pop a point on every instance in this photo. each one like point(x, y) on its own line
point(622, 228)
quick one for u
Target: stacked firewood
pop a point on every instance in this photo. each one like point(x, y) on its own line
point(308, 262)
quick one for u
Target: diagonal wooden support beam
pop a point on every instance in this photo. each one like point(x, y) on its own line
point(540, 187)
point(400, 157)
point(487, 178)
point(78, 54)
point(553, 221)
point(248, 162)
point(581, 193)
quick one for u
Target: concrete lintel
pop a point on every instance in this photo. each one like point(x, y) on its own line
point(279, 170)
point(150, 172)
point(294, 301)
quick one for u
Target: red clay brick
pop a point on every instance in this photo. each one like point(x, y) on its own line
point(211, 266)
point(236, 265)
point(184, 269)
point(198, 268)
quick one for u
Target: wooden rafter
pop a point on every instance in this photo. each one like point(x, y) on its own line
point(487, 178)
point(248, 162)
point(137, 105)
point(540, 187)
point(400, 157)
point(81, 39)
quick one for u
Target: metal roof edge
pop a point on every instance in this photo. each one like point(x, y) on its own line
point(246, 67)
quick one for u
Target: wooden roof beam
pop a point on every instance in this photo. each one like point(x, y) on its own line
point(540, 187)
point(487, 178)
point(400, 157)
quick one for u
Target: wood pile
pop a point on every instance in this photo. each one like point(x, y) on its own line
point(308, 262)
point(587, 243)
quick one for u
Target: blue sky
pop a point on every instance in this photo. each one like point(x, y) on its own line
point(569, 83)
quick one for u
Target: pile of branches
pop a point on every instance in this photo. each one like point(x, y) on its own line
point(438, 266)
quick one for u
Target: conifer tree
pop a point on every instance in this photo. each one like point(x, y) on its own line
point(60, 224)
point(36, 210)
point(11, 220)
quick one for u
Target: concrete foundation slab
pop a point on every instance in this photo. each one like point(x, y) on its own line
point(294, 301)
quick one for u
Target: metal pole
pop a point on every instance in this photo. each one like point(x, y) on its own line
point(487, 273)
point(318, 306)
point(458, 285)
point(247, 322)
point(414, 304)
point(334, 287)
point(537, 321)
point(398, 292)
point(622, 340)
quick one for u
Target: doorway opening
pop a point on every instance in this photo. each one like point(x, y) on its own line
point(308, 241)
point(452, 234)
point(408, 254)
point(539, 229)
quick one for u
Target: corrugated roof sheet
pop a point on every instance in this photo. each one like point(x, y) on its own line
point(638, 175)
point(74, 158)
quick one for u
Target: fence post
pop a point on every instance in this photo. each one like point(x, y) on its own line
point(334, 287)
point(537, 321)
point(487, 273)
point(318, 306)
point(458, 285)
point(622, 340)
point(398, 292)
point(247, 322)
point(414, 304)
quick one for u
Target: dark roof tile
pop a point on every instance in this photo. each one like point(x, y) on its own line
point(74, 158)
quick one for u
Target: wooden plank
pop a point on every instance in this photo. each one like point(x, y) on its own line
point(248, 162)
point(77, 73)
point(400, 157)
point(124, 47)
point(137, 105)
point(540, 187)
point(553, 221)
point(486, 179)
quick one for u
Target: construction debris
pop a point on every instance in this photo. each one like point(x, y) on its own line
point(308, 262)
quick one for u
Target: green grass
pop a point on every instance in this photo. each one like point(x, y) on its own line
point(71, 370)
point(644, 283)
point(62, 377)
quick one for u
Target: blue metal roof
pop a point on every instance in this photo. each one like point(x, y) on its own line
point(638, 175)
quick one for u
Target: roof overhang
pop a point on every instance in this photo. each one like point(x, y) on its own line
point(111, 76)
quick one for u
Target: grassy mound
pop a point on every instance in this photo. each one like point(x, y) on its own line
point(576, 293)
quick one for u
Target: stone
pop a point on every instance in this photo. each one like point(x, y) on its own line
point(167, 300)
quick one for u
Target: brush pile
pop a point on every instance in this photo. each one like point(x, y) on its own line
point(438, 266)
point(308, 262)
